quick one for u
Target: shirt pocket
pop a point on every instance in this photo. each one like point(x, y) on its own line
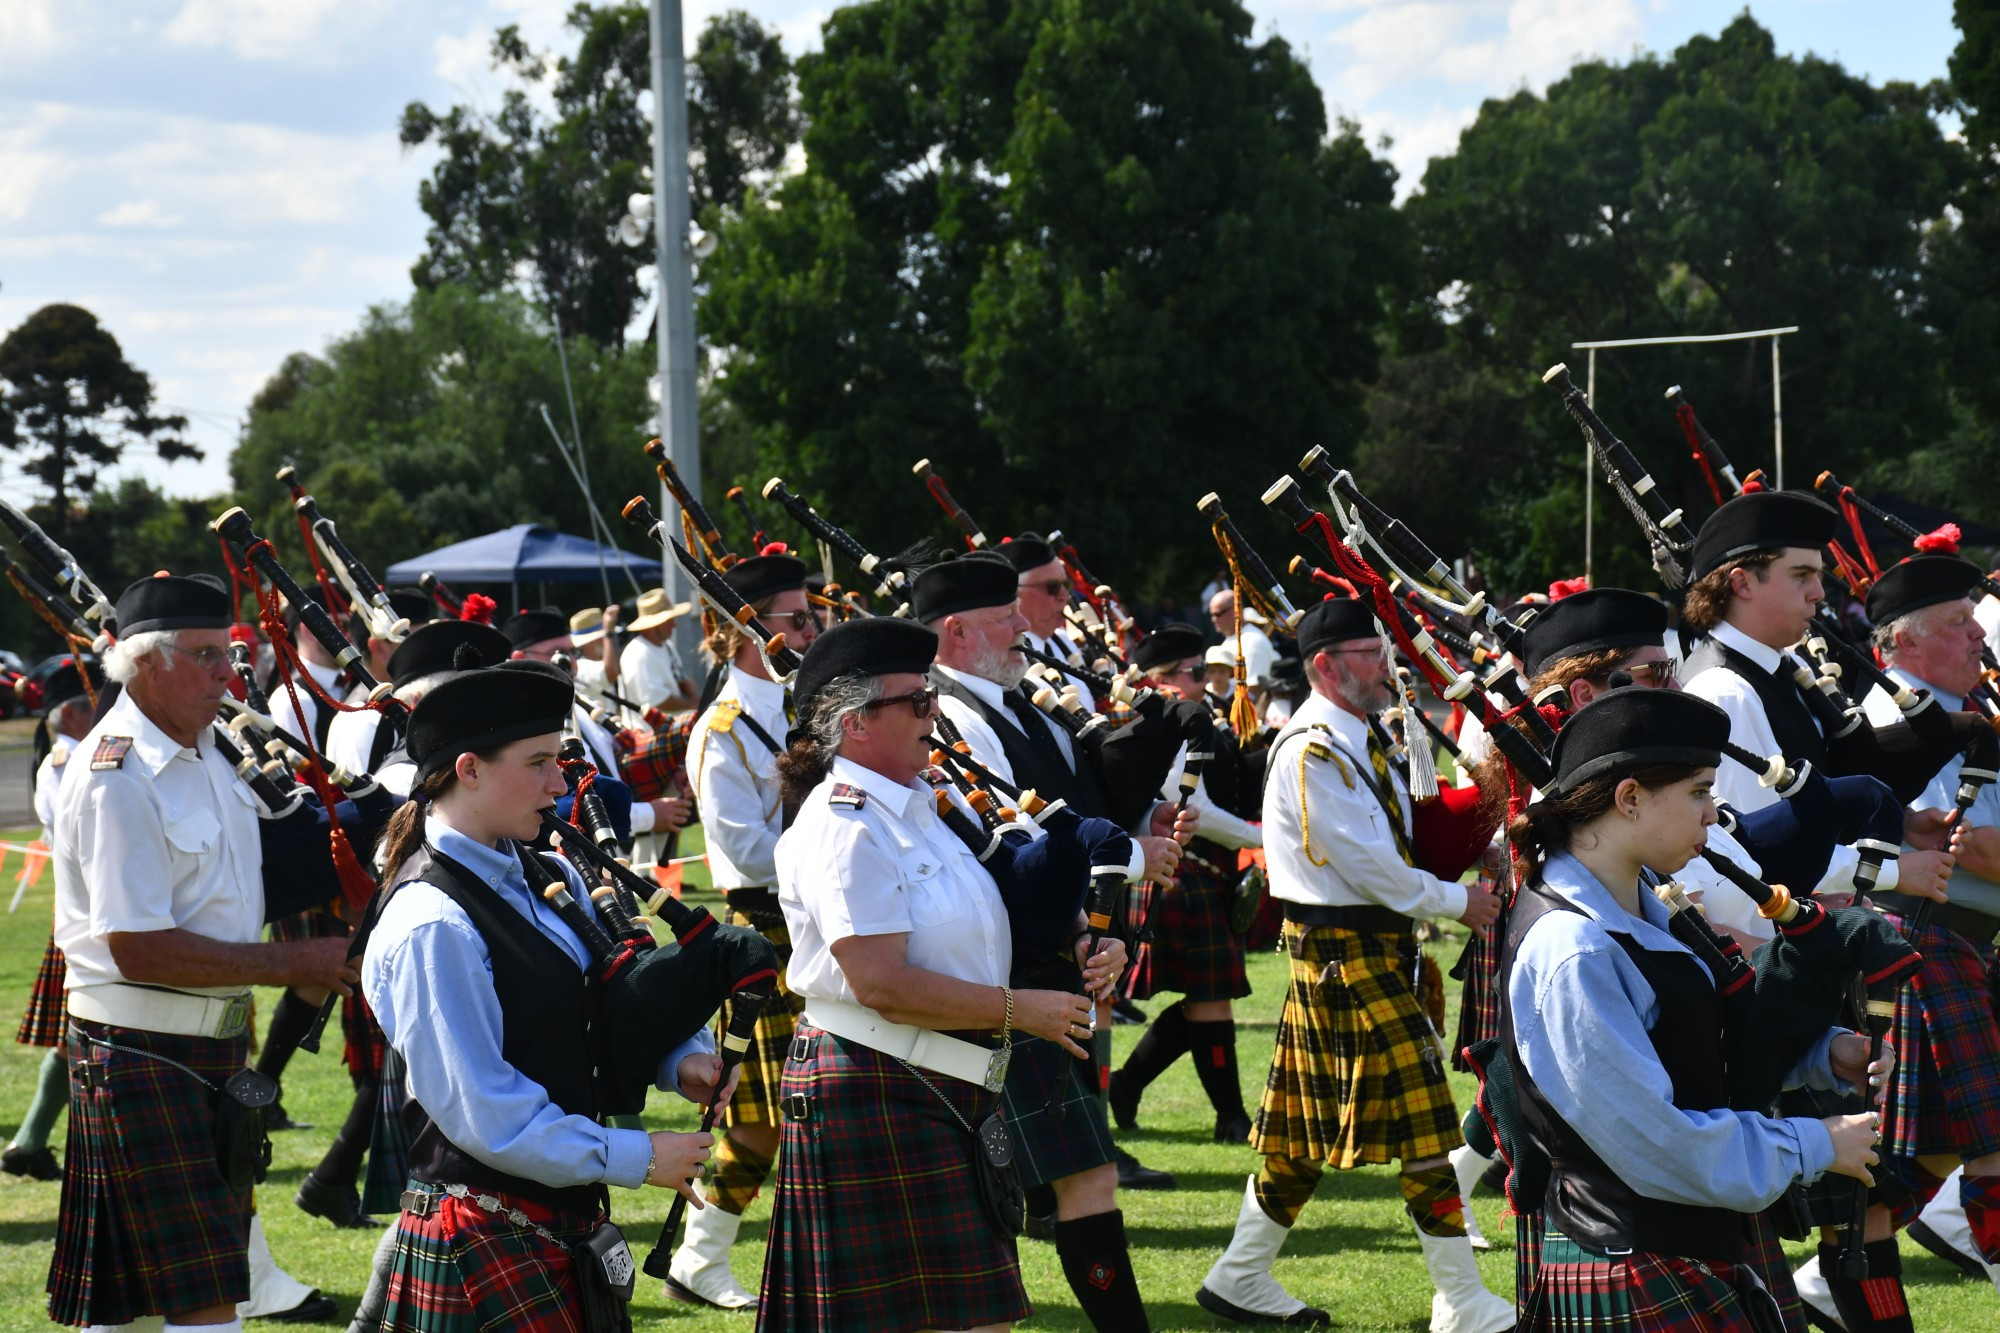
point(193, 835)
point(932, 897)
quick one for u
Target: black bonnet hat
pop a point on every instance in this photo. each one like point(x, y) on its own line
point(174, 601)
point(1332, 620)
point(528, 627)
point(433, 647)
point(66, 683)
point(967, 583)
point(875, 646)
point(413, 604)
point(1591, 621)
point(1634, 727)
point(1168, 644)
point(1920, 581)
point(1761, 521)
point(765, 576)
point(486, 708)
point(1028, 550)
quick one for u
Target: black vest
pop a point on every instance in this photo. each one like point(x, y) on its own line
point(1585, 1199)
point(549, 1011)
point(1790, 718)
point(1051, 781)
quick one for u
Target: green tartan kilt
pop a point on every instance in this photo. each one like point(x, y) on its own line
point(755, 1101)
point(43, 1021)
point(1357, 1077)
point(1577, 1291)
point(1053, 1108)
point(462, 1269)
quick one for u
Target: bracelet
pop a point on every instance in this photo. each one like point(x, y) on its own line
point(652, 1160)
point(1007, 1022)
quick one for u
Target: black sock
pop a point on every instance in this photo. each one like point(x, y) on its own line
point(290, 1018)
point(1213, 1046)
point(1098, 1264)
point(1164, 1042)
point(1874, 1304)
point(1040, 1200)
point(342, 1164)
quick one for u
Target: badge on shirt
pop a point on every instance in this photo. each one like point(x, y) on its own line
point(843, 794)
point(111, 752)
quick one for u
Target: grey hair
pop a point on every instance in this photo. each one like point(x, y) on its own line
point(121, 660)
point(836, 702)
point(1914, 625)
point(410, 691)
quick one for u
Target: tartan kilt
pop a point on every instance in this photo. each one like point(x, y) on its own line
point(1187, 945)
point(461, 1269)
point(755, 1101)
point(654, 763)
point(314, 924)
point(877, 1223)
point(147, 1225)
point(1580, 1292)
point(366, 1043)
point(388, 1141)
point(1945, 1098)
point(1055, 1112)
point(47, 1014)
point(1357, 1077)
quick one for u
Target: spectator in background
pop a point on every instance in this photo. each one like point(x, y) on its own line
point(1258, 650)
point(650, 665)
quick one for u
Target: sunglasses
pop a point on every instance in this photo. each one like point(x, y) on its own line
point(1658, 675)
point(798, 620)
point(1047, 587)
point(922, 702)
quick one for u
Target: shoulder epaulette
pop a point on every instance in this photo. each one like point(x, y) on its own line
point(935, 776)
point(111, 752)
point(1323, 751)
point(60, 757)
point(722, 714)
point(851, 797)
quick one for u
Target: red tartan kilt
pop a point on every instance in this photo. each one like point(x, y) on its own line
point(1945, 1096)
point(46, 1016)
point(1191, 949)
point(1580, 1292)
point(654, 763)
point(316, 924)
point(462, 1269)
point(365, 1041)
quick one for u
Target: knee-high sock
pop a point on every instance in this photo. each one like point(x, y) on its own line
point(1164, 1041)
point(342, 1163)
point(1098, 1264)
point(739, 1174)
point(1905, 1187)
point(290, 1018)
point(1431, 1198)
point(1874, 1304)
point(375, 1296)
point(1213, 1046)
point(51, 1096)
point(1284, 1184)
point(1980, 1197)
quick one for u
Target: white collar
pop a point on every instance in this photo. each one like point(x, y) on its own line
point(1763, 655)
point(767, 695)
point(1574, 882)
point(895, 795)
point(992, 693)
point(153, 746)
point(1348, 729)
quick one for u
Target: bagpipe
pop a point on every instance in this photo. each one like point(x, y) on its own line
point(1253, 585)
point(73, 584)
point(329, 553)
point(1708, 455)
point(1095, 610)
point(892, 580)
point(715, 592)
point(1667, 533)
point(758, 538)
point(975, 539)
point(698, 526)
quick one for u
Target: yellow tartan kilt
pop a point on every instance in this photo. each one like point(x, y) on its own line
point(1357, 1078)
point(755, 1101)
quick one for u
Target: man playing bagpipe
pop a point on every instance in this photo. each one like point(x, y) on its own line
point(736, 744)
point(1358, 1076)
point(1186, 941)
point(1045, 592)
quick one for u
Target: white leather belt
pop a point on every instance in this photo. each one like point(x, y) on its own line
point(158, 1009)
point(950, 1056)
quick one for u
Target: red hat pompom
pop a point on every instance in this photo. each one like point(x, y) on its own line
point(1562, 588)
point(774, 548)
point(1942, 542)
point(246, 634)
point(478, 608)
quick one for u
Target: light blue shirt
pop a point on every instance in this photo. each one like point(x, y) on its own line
point(429, 979)
point(1582, 1011)
point(1964, 887)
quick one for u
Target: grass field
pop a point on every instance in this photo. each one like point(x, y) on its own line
point(1354, 1251)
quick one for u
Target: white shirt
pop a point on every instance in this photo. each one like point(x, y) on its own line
point(597, 739)
point(1059, 645)
point(1942, 793)
point(48, 777)
point(166, 839)
point(1987, 613)
point(1217, 824)
point(350, 737)
point(1259, 653)
point(649, 673)
point(867, 856)
point(591, 681)
point(736, 780)
point(985, 742)
point(303, 718)
point(1353, 860)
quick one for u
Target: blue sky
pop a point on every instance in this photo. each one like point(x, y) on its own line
point(219, 180)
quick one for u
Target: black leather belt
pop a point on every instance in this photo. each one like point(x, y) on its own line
point(760, 905)
point(1369, 920)
point(1969, 922)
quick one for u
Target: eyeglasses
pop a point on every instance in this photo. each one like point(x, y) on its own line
point(921, 702)
point(798, 620)
point(1658, 675)
point(1047, 587)
point(1374, 649)
point(205, 659)
point(1193, 671)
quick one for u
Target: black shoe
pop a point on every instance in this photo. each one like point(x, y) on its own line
point(317, 1308)
point(1310, 1317)
point(1917, 1232)
point(342, 1207)
point(1038, 1226)
point(40, 1164)
point(275, 1119)
point(1235, 1129)
point(1494, 1177)
point(1820, 1320)
point(1124, 1013)
point(1132, 1176)
point(1124, 1101)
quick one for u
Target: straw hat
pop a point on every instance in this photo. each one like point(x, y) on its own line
point(587, 626)
point(655, 610)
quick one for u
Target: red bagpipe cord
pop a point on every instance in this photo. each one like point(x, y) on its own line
point(356, 884)
point(1685, 415)
point(1867, 564)
point(337, 604)
point(935, 485)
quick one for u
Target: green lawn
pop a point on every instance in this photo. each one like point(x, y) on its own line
point(1353, 1252)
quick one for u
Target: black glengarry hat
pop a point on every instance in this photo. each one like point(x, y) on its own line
point(1592, 621)
point(434, 647)
point(530, 627)
point(174, 601)
point(1634, 727)
point(66, 682)
point(876, 646)
point(413, 604)
point(764, 576)
point(1168, 644)
point(1026, 551)
point(1761, 521)
point(487, 708)
point(967, 583)
point(1335, 619)
point(1920, 581)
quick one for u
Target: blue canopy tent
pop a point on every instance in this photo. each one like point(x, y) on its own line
point(525, 553)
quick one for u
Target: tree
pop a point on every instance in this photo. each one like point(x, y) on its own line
point(520, 193)
point(1091, 260)
point(67, 391)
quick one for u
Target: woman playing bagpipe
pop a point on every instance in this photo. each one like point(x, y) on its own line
point(482, 968)
point(1614, 1032)
point(896, 1205)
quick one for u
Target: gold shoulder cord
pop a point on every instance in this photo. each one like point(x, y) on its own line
point(1305, 812)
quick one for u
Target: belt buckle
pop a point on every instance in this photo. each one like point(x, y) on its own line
point(419, 1203)
point(996, 1068)
point(798, 1107)
point(235, 1018)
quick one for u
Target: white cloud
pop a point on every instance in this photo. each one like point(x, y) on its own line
point(28, 29)
point(137, 213)
point(297, 30)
